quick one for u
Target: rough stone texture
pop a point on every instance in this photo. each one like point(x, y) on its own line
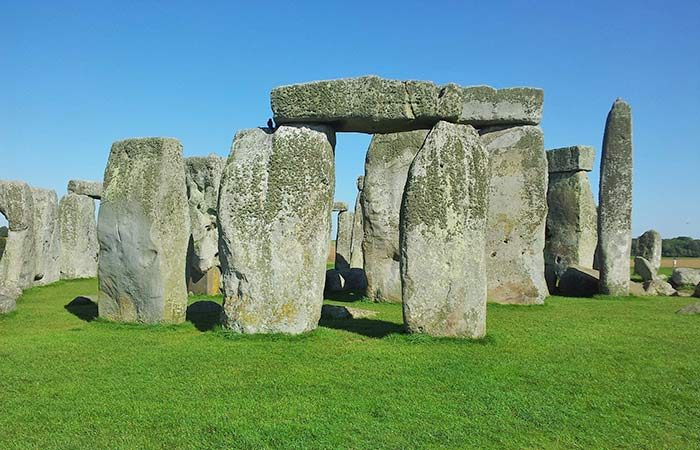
point(8, 298)
point(386, 168)
point(442, 235)
point(340, 206)
point(697, 291)
point(571, 233)
point(571, 159)
point(579, 282)
point(615, 201)
point(356, 257)
point(685, 277)
point(79, 247)
point(47, 236)
point(371, 104)
point(649, 247)
point(332, 312)
point(517, 215)
point(693, 308)
point(202, 176)
point(91, 189)
point(274, 214)
point(643, 268)
point(143, 230)
point(343, 240)
point(659, 287)
point(339, 280)
point(18, 262)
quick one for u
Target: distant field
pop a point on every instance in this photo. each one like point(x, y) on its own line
point(693, 263)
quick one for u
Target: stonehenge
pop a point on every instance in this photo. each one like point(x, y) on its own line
point(92, 189)
point(343, 240)
point(18, 262)
point(143, 232)
point(357, 259)
point(615, 201)
point(78, 227)
point(649, 248)
point(644, 269)
point(47, 236)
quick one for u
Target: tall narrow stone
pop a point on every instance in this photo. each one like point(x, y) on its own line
point(357, 260)
point(274, 214)
point(79, 247)
point(47, 236)
point(143, 230)
point(517, 215)
point(343, 240)
point(443, 223)
point(615, 201)
point(649, 247)
point(203, 175)
point(18, 261)
point(386, 168)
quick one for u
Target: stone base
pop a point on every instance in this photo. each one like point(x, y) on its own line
point(207, 284)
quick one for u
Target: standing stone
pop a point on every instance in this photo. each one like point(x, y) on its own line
point(79, 247)
point(442, 235)
point(571, 233)
point(92, 189)
point(643, 268)
point(47, 236)
point(357, 260)
point(517, 215)
point(386, 168)
point(274, 215)
point(343, 240)
point(615, 202)
point(203, 175)
point(8, 298)
point(143, 230)
point(18, 262)
point(649, 248)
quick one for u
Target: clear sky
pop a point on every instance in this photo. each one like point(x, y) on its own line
point(76, 76)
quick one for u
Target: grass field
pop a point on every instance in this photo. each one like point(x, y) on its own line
point(583, 373)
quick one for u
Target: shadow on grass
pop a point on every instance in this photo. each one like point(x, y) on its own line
point(204, 315)
point(366, 327)
point(83, 308)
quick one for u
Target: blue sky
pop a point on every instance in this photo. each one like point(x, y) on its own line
point(76, 76)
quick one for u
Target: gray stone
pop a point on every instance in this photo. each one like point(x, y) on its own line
point(371, 104)
point(517, 215)
point(685, 277)
point(697, 291)
point(659, 287)
point(8, 298)
point(357, 259)
point(47, 236)
point(143, 230)
point(649, 247)
point(442, 235)
point(692, 309)
point(571, 234)
point(18, 262)
point(615, 201)
point(92, 189)
point(79, 247)
point(643, 268)
point(340, 280)
point(340, 206)
point(386, 168)
point(274, 214)
point(202, 177)
point(570, 159)
point(343, 240)
point(579, 282)
point(333, 312)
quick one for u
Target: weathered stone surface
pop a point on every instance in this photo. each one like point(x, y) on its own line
point(18, 262)
point(571, 233)
point(143, 230)
point(517, 215)
point(91, 189)
point(79, 247)
point(339, 280)
point(649, 247)
point(340, 206)
point(332, 312)
point(685, 277)
point(697, 291)
point(8, 298)
point(386, 168)
point(442, 235)
point(615, 201)
point(643, 268)
point(47, 236)
point(371, 104)
point(343, 240)
point(356, 257)
point(579, 282)
point(202, 176)
point(274, 214)
point(693, 308)
point(659, 287)
point(570, 159)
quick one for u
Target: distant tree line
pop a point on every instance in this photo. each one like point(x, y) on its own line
point(678, 247)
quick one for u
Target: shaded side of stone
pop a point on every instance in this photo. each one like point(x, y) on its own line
point(343, 240)
point(649, 247)
point(356, 257)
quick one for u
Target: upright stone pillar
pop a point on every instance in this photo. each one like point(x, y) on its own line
point(343, 240)
point(571, 235)
point(79, 247)
point(517, 215)
point(356, 258)
point(143, 230)
point(274, 213)
point(442, 235)
point(386, 168)
point(18, 261)
point(47, 236)
point(649, 247)
point(615, 202)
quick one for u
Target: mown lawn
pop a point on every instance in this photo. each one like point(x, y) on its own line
point(576, 373)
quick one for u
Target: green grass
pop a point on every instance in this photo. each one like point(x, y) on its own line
point(584, 373)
